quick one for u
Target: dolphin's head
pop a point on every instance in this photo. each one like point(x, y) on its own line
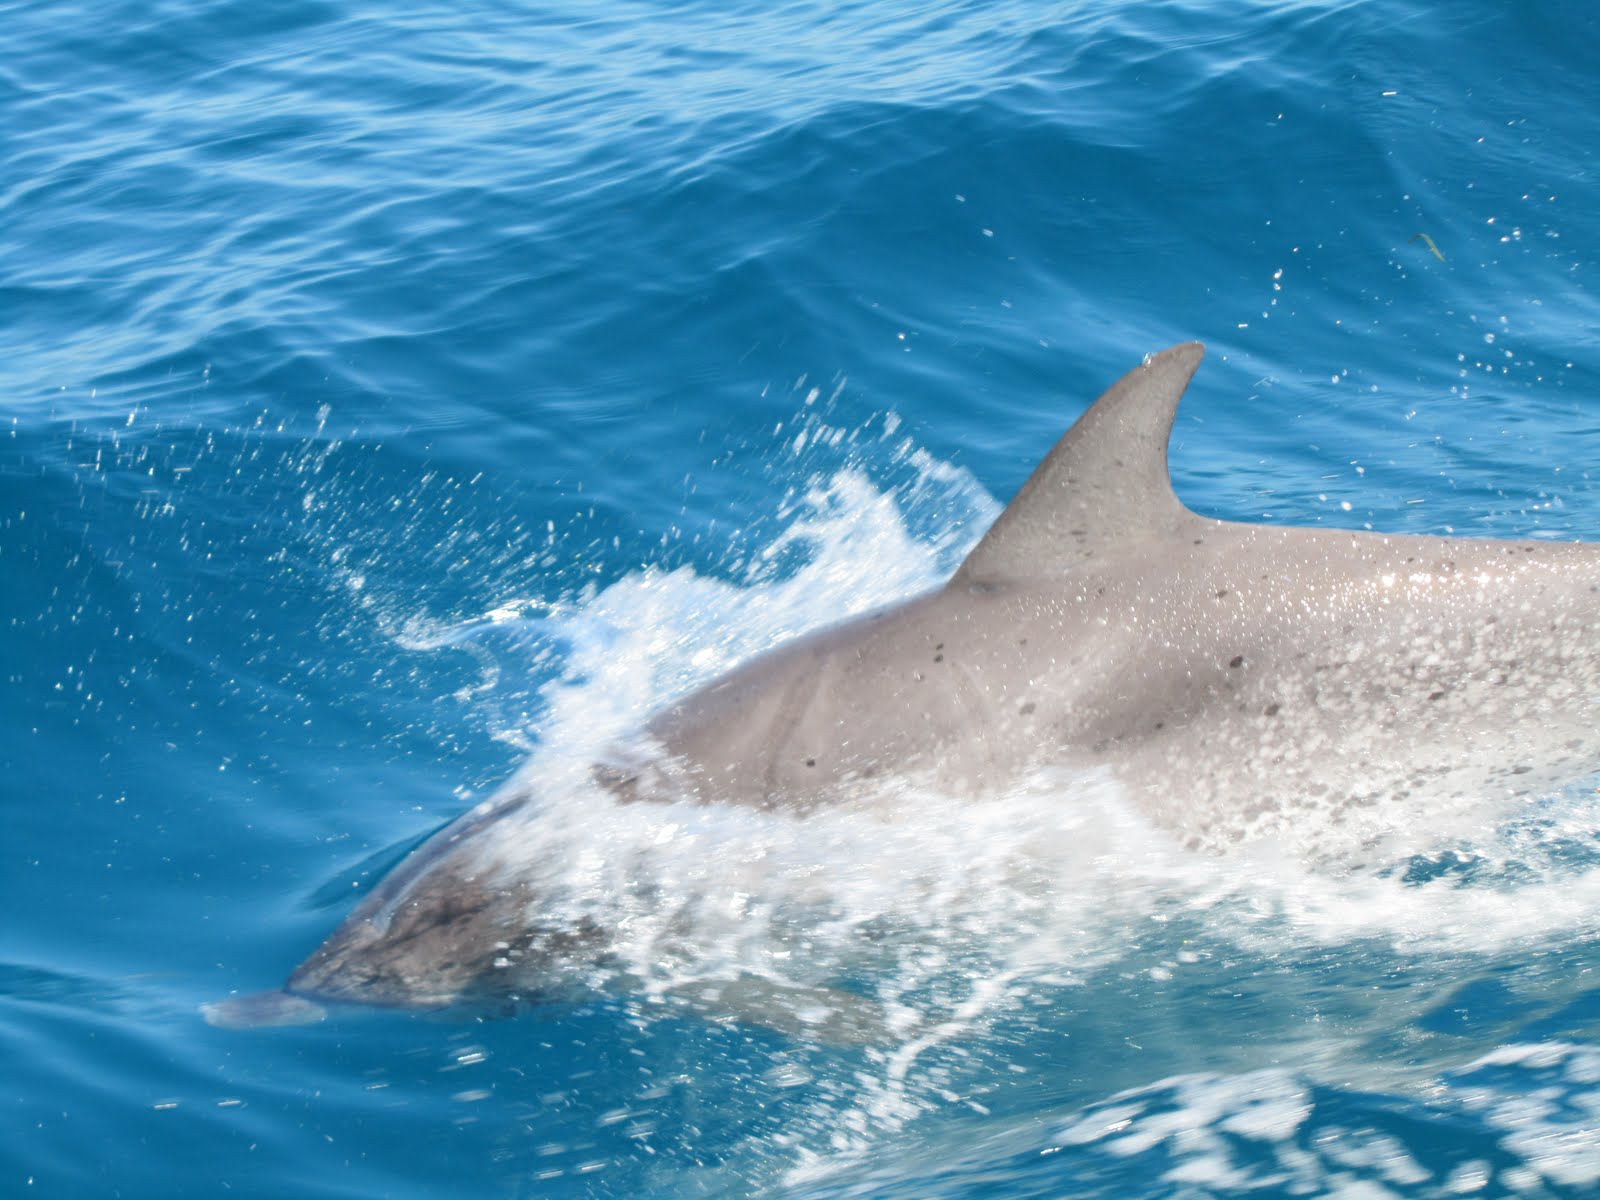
point(447, 928)
point(425, 944)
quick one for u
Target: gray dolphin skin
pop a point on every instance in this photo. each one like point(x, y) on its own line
point(1232, 678)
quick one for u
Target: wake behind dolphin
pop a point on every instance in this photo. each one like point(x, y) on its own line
point(1231, 679)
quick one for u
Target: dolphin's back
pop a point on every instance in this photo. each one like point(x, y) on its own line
point(946, 684)
point(917, 689)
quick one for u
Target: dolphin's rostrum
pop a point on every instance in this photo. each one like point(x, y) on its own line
point(1232, 678)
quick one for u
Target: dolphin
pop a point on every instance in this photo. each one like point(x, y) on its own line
point(1232, 678)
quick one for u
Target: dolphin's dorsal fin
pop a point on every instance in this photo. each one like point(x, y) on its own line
point(1105, 484)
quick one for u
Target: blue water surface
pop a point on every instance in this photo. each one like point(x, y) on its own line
point(389, 387)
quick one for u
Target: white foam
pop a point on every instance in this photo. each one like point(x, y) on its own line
point(1532, 1109)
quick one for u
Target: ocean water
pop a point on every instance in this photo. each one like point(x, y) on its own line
point(393, 395)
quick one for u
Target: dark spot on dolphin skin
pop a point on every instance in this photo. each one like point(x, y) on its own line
point(1435, 695)
point(1027, 707)
point(1520, 770)
point(1022, 641)
point(1271, 710)
point(1236, 661)
point(1222, 593)
point(940, 646)
point(1079, 533)
point(1199, 541)
point(938, 658)
point(811, 762)
point(1161, 724)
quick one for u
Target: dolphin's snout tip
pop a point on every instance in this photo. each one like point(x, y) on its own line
point(262, 1010)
